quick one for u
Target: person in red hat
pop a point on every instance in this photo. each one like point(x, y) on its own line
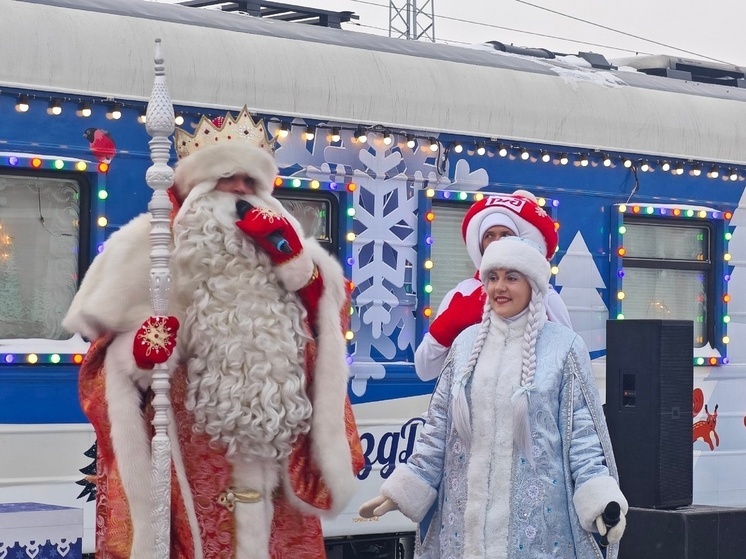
point(490, 219)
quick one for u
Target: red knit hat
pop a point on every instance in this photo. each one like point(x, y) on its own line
point(532, 221)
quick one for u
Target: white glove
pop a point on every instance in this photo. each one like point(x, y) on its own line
point(377, 507)
point(613, 534)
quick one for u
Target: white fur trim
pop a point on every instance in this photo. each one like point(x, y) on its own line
point(412, 494)
point(497, 371)
point(115, 293)
point(254, 520)
point(129, 438)
point(295, 273)
point(591, 498)
point(212, 163)
point(184, 488)
point(329, 446)
point(514, 253)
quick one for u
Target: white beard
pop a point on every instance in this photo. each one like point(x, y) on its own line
point(242, 334)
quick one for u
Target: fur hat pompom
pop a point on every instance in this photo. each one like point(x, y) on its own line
point(212, 163)
point(521, 255)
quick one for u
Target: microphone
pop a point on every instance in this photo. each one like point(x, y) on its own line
point(610, 518)
point(243, 207)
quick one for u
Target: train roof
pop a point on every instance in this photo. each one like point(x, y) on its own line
point(227, 60)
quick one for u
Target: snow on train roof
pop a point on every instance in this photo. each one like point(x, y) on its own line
point(226, 60)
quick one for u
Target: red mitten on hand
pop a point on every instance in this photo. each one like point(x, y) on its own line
point(462, 312)
point(155, 341)
point(273, 232)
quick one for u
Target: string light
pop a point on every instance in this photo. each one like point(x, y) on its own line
point(22, 104)
point(55, 107)
point(84, 110)
point(142, 117)
point(115, 113)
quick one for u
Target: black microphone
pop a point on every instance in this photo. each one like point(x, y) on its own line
point(610, 517)
point(243, 207)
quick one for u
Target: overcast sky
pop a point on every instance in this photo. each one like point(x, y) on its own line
point(699, 29)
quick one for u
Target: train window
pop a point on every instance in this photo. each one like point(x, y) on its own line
point(317, 214)
point(668, 273)
point(451, 262)
point(39, 254)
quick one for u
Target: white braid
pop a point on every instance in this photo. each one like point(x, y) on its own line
point(461, 415)
point(521, 422)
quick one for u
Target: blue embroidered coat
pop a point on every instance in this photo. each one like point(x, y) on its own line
point(551, 504)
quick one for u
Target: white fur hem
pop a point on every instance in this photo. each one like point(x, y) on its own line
point(591, 498)
point(329, 446)
point(412, 495)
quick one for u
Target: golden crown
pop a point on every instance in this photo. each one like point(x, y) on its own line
point(223, 129)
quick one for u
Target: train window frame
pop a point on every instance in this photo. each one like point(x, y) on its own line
point(333, 246)
point(429, 204)
point(85, 208)
point(441, 287)
point(712, 348)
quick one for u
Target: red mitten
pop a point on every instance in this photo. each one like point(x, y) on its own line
point(462, 312)
point(155, 341)
point(273, 232)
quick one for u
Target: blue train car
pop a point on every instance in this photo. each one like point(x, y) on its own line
point(382, 146)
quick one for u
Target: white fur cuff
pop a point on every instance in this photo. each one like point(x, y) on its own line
point(412, 495)
point(591, 498)
point(296, 273)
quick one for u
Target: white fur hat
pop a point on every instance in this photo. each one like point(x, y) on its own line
point(212, 163)
point(521, 255)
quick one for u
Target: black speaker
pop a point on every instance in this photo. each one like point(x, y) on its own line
point(649, 382)
point(696, 532)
